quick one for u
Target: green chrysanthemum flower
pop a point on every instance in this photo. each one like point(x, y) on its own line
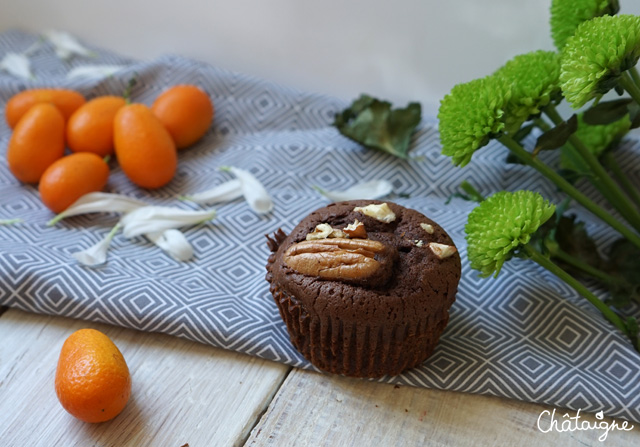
point(597, 138)
point(535, 80)
point(597, 54)
point(470, 116)
point(502, 223)
point(567, 15)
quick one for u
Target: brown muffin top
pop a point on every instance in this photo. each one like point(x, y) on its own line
point(410, 277)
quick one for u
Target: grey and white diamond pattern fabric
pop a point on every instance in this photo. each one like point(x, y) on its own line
point(525, 335)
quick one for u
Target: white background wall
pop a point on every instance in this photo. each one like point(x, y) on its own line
point(399, 50)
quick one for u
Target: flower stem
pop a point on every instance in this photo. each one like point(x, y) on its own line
point(542, 124)
point(582, 266)
point(635, 76)
point(10, 221)
point(627, 83)
point(608, 313)
point(602, 179)
point(611, 164)
point(565, 186)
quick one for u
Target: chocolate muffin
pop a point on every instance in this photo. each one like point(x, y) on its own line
point(364, 287)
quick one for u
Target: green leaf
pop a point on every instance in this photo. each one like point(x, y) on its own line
point(471, 194)
point(556, 137)
point(513, 159)
point(607, 112)
point(564, 233)
point(634, 329)
point(620, 267)
point(374, 124)
point(523, 132)
point(574, 240)
point(634, 115)
point(624, 262)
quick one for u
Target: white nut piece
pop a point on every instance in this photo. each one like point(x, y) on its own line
point(418, 243)
point(380, 212)
point(322, 231)
point(428, 228)
point(442, 250)
point(338, 233)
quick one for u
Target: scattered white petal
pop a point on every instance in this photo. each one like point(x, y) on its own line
point(371, 190)
point(94, 71)
point(96, 202)
point(253, 191)
point(34, 47)
point(10, 221)
point(96, 254)
point(66, 46)
point(173, 242)
point(17, 65)
point(225, 192)
point(153, 219)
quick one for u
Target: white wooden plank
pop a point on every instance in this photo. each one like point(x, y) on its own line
point(322, 410)
point(183, 392)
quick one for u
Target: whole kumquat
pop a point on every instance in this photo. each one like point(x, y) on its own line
point(36, 142)
point(186, 111)
point(71, 177)
point(144, 148)
point(67, 101)
point(90, 128)
point(92, 380)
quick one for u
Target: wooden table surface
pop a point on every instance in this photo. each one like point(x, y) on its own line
point(185, 393)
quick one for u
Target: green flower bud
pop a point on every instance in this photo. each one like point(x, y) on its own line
point(598, 53)
point(501, 224)
point(567, 15)
point(535, 80)
point(470, 116)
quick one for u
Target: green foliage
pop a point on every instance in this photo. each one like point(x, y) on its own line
point(624, 264)
point(597, 138)
point(374, 124)
point(469, 193)
point(556, 137)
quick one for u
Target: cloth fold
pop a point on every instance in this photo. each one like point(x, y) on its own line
point(524, 335)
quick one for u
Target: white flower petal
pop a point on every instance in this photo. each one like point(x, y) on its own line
point(97, 202)
point(17, 65)
point(96, 254)
point(371, 190)
point(33, 48)
point(153, 219)
point(94, 71)
point(173, 242)
point(225, 192)
point(66, 46)
point(253, 191)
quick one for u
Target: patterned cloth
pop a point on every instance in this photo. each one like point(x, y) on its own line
point(524, 336)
